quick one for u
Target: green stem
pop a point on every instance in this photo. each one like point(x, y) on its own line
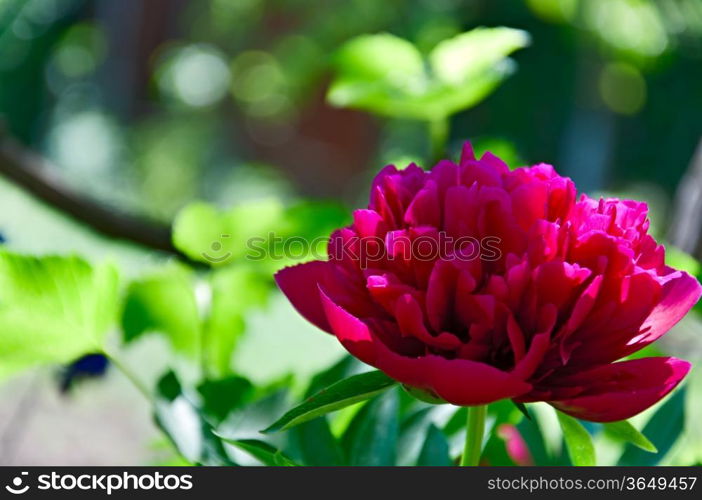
point(475, 428)
point(438, 136)
point(127, 372)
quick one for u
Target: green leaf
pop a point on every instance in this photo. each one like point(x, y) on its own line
point(458, 60)
point(371, 438)
point(165, 303)
point(413, 429)
point(664, 428)
point(206, 234)
point(53, 309)
point(344, 368)
point(580, 448)
point(234, 290)
point(179, 419)
point(386, 75)
point(522, 409)
point(316, 443)
point(221, 397)
point(625, 432)
point(435, 451)
point(339, 395)
point(263, 452)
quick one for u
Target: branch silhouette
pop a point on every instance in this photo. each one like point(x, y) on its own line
point(28, 170)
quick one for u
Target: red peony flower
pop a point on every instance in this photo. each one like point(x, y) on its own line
point(476, 283)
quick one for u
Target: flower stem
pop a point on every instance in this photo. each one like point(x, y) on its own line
point(475, 428)
point(438, 136)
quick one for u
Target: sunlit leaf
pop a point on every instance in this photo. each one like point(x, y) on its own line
point(165, 303)
point(53, 309)
point(579, 442)
point(456, 60)
point(386, 75)
point(339, 395)
point(234, 291)
point(625, 432)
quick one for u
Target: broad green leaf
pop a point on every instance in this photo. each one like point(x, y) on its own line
point(165, 303)
point(53, 309)
point(316, 444)
point(261, 451)
point(339, 395)
point(371, 438)
point(179, 419)
point(380, 57)
point(234, 291)
point(625, 432)
point(206, 234)
point(534, 438)
point(413, 429)
point(435, 451)
point(222, 396)
point(386, 75)
point(345, 367)
point(378, 73)
point(203, 233)
point(664, 429)
point(580, 448)
point(458, 60)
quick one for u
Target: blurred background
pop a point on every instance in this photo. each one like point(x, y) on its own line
point(145, 107)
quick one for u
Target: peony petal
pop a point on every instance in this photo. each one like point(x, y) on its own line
point(621, 390)
point(680, 292)
point(458, 381)
point(300, 285)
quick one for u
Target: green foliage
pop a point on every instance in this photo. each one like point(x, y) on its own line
point(625, 432)
point(234, 291)
point(664, 428)
point(178, 417)
point(53, 309)
point(335, 397)
point(580, 448)
point(164, 302)
point(386, 75)
point(260, 232)
point(371, 438)
point(436, 448)
point(262, 451)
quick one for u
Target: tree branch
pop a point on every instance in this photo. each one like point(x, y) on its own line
point(28, 170)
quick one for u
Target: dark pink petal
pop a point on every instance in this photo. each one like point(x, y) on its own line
point(620, 390)
point(680, 292)
point(458, 381)
point(300, 284)
point(467, 153)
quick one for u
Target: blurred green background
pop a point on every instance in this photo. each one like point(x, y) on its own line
point(148, 106)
